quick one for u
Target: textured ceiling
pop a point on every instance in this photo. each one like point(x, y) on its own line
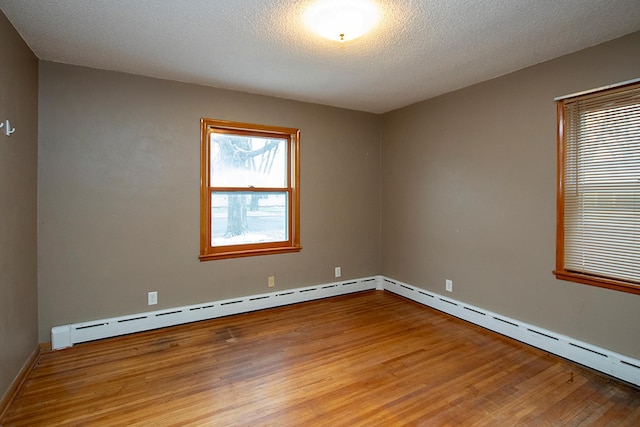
point(421, 49)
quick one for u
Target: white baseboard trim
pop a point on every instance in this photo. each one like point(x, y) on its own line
point(606, 361)
point(68, 335)
point(603, 360)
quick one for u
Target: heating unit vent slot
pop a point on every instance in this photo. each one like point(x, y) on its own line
point(91, 326)
point(257, 298)
point(168, 313)
point(309, 290)
point(424, 293)
point(587, 349)
point(231, 302)
point(132, 319)
point(349, 283)
point(544, 335)
point(630, 364)
point(475, 311)
point(448, 302)
point(284, 294)
point(406, 287)
point(329, 286)
point(506, 321)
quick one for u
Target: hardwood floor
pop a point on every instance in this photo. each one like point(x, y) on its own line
point(366, 359)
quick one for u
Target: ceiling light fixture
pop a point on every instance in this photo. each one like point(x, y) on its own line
point(342, 20)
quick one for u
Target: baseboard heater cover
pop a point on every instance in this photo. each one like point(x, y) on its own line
point(68, 335)
point(603, 360)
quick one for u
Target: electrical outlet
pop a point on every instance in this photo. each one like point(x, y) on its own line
point(338, 272)
point(448, 285)
point(152, 298)
point(271, 281)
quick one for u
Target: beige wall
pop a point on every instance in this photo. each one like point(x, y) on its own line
point(18, 172)
point(119, 195)
point(468, 191)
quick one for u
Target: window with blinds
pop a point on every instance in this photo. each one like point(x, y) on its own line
point(598, 233)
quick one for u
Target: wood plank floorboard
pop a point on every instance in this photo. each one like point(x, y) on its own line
point(365, 359)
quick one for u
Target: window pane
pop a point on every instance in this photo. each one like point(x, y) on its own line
point(599, 230)
point(602, 191)
point(245, 161)
point(243, 218)
point(249, 189)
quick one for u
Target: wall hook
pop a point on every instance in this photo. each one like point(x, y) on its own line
point(9, 130)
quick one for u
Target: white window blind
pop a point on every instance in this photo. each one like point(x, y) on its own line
point(601, 184)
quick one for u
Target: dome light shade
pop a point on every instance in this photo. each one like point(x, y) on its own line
point(342, 20)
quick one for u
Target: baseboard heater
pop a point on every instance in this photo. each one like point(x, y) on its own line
point(600, 359)
point(68, 335)
point(611, 363)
